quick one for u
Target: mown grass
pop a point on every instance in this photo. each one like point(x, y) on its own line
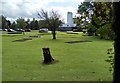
point(85, 61)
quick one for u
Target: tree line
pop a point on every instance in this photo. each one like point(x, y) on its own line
point(21, 23)
point(49, 20)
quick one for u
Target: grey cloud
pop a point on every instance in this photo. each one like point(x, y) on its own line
point(17, 10)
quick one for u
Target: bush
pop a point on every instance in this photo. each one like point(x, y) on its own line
point(91, 29)
point(105, 32)
point(110, 58)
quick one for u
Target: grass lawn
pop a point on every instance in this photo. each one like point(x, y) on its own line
point(84, 61)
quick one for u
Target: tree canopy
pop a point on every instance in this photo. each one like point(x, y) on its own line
point(97, 18)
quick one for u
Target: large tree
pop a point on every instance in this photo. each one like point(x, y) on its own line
point(102, 17)
point(52, 20)
point(99, 15)
point(116, 27)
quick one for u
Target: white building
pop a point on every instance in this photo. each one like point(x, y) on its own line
point(70, 23)
point(69, 19)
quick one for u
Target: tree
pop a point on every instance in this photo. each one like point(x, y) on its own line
point(27, 24)
point(21, 23)
point(14, 25)
point(102, 15)
point(86, 11)
point(116, 27)
point(8, 24)
point(42, 24)
point(36, 25)
point(52, 20)
point(32, 24)
point(99, 15)
point(4, 22)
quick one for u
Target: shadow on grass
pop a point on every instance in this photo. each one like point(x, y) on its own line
point(50, 63)
point(71, 33)
point(22, 40)
point(11, 35)
point(81, 41)
point(25, 39)
point(67, 37)
point(44, 34)
point(35, 36)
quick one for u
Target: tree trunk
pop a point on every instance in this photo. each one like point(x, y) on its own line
point(54, 34)
point(116, 27)
point(47, 56)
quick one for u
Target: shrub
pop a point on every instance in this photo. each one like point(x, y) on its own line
point(105, 32)
point(91, 29)
point(110, 58)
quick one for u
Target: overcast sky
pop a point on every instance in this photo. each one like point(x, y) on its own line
point(27, 8)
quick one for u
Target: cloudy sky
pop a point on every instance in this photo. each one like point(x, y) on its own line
point(28, 8)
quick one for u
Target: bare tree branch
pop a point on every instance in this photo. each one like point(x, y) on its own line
point(52, 19)
point(43, 14)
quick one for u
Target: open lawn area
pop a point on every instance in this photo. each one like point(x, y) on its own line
point(22, 57)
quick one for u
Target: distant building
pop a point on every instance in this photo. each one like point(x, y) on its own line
point(70, 24)
point(69, 19)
